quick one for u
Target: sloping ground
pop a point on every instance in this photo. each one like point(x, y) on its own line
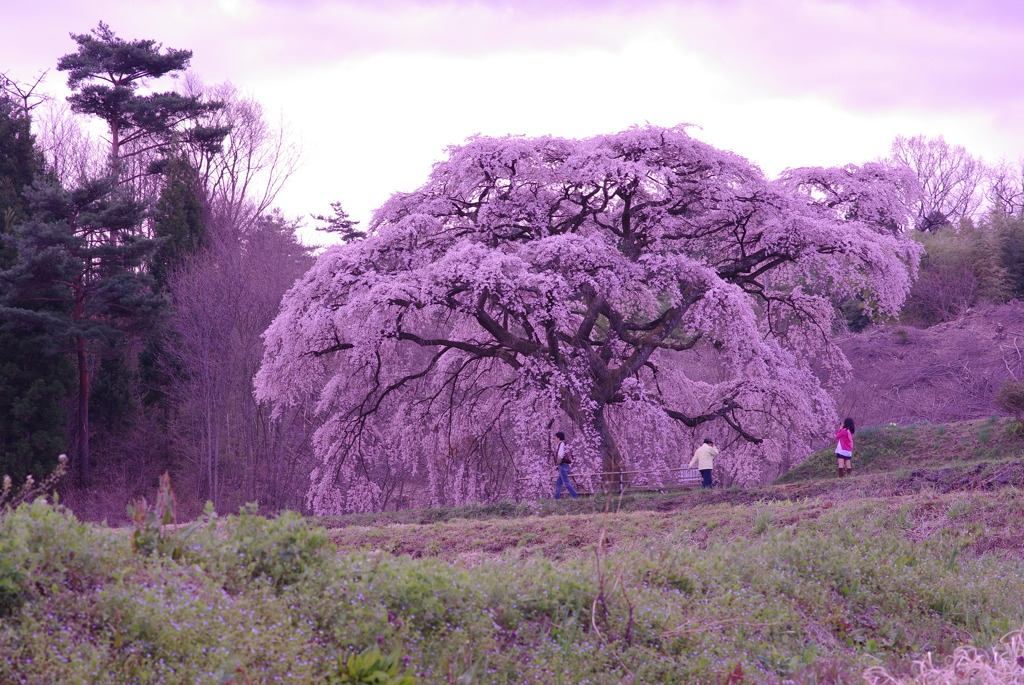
point(908, 465)
point(944, 373)
point(993, 528)
point(922, 545)
point(815, 580)
point(919, 446)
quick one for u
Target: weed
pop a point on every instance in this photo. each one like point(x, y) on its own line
point(30, 490)
point(961, 508)
point(150, 534)
point(369, 667)
point(763, 522)
point(1001, 664)
point(904, 518)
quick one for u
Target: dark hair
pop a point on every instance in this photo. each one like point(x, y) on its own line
point(848, 424)
point(709, 441)
point(560, 435)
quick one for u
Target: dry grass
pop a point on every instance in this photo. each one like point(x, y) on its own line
point(992, 520)
point(968, 665)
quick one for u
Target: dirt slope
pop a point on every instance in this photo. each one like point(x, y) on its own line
point(948, 372)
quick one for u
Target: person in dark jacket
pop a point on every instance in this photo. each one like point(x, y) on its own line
point(564, 463)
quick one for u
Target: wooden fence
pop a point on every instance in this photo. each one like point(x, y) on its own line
point(590, 482)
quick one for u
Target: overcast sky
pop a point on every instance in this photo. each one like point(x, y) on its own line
point(375, 90)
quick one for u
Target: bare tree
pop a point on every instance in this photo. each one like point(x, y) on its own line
point(223, 300)
point(950, 176)
point(23, 94)
point(256, 159)
point(943, 292)
point(1006, 188)
point(70, 150)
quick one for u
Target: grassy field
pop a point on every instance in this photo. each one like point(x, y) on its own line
point(813, 579)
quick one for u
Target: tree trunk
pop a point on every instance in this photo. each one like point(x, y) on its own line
point(612, 463)
point(84, 471)
point(115, 151)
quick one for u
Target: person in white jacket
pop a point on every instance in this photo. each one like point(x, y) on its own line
point(704, 458)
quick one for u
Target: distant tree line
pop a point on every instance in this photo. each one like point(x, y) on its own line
point(969, 217)
point(971, 221)
point(137, 272)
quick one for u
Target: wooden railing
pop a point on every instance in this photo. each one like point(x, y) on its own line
point(589, 482)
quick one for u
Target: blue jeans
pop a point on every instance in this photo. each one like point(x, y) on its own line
point(705, 478)
point(563, 478)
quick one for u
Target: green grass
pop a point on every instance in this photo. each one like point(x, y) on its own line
point(785, 590)
point(812, 580)
point(891, 448)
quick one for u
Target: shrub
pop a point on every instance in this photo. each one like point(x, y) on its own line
point(1010, 398)
point(43, 546)
point(246, 548)
point(962, 266)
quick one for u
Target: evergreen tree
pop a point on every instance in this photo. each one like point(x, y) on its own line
point(1010, 232)
point(106, 73)
point(20, 163)
point(178, 219)
point(179, 222)
point(78, 278)
point(339, 223)
point(148, 132)
point(33, 386)
point(34, 380)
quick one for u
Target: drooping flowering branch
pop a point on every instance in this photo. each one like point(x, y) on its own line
point(625, 285)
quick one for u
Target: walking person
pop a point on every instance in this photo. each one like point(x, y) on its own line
point(704, 458)
point(844, 446)
point(564, 464)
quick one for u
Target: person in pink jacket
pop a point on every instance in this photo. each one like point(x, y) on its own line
point(844, 446)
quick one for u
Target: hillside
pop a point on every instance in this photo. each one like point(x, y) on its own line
point(813, 579)
point(947, 372)
point(981, 454)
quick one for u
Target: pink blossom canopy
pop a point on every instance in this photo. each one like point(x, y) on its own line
point(636, 290)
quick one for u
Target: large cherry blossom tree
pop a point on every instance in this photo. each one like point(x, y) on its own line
point(636, 290)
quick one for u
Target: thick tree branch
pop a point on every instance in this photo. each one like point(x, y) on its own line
point(726, 413)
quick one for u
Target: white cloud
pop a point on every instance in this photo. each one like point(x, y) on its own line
point(378, 90)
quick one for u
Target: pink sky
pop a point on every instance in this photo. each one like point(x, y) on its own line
point(376, 90)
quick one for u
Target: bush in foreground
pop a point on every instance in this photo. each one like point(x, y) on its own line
point(247, 599)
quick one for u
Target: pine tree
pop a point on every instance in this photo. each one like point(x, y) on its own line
point(78, 279)
point(34, 378)
point(340, 223)
point(19, 162)
point(106, 73)
point(148, 132)
point(178, 219)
